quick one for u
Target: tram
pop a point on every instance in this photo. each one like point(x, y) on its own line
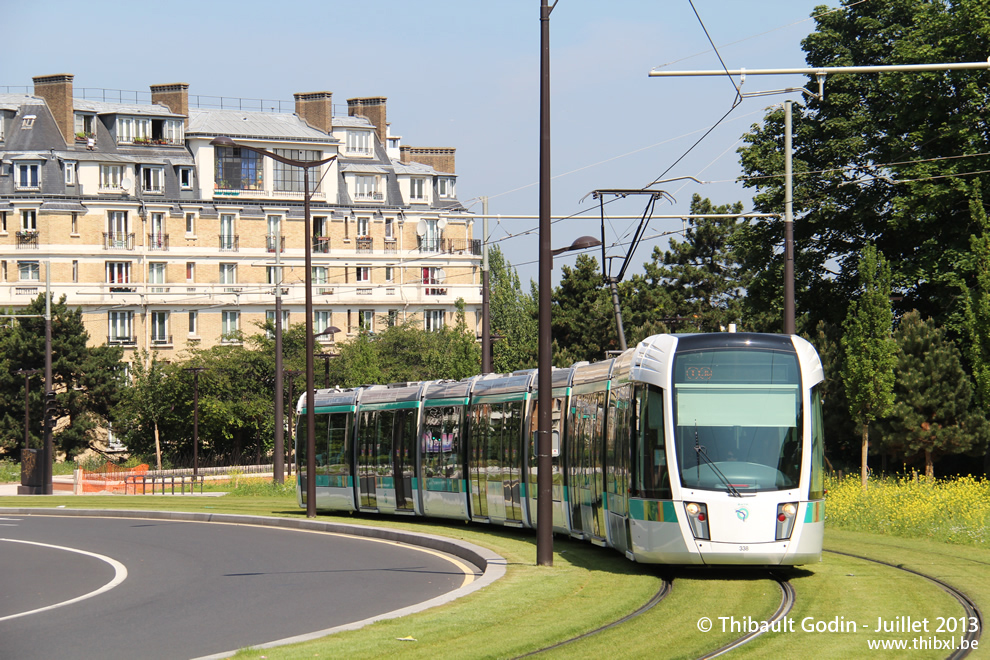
point(693, 449)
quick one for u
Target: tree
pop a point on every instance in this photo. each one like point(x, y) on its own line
point(511, 318)
point(877, 160)
point(976, 300)
point(932, 394)
point(148, 401)
point(870, 352)
point(582, 318)
point(702, 273)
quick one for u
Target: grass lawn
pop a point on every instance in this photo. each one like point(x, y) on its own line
point(533, 607)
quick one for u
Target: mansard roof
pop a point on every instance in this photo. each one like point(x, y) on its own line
point(266, 125)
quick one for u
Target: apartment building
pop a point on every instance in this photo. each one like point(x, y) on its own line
point(166, 241)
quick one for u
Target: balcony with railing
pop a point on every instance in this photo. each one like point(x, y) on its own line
point(229, 243)
point(118, 340)
point(161, 340)
point(369, 197)
point(115, 240)
point(274, 242)
point(391, 246)
point(321, 244)
point(365, 245)
point(158, 242)
point(27, 239)
point(470, 246)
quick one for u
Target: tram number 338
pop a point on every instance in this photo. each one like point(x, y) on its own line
point(744, 548)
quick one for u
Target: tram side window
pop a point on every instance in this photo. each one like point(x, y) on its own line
point(652, 479)
point(817, 484)
point(442, 446)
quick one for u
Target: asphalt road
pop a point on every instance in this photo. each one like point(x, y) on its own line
point(189, 589)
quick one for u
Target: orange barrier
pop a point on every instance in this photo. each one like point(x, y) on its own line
point(111, 479)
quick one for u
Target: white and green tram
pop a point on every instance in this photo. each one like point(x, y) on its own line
point(685, 449)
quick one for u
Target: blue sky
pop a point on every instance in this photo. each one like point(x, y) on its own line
point(463, 75)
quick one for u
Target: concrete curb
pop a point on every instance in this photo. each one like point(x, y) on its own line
point(491, 564)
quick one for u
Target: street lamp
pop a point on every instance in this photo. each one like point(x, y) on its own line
point(224, 141)
point(580, 243)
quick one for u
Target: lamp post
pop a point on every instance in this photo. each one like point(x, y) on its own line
point(224, 141)
point(195, 371)
point(326, 357)
point(291, 373)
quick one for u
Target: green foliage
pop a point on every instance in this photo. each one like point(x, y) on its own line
point(513, 317)
point(702, 274)
point(869, 350)
point(932, 394)
point(582, 317)
point(875, 159)
point(87, 382)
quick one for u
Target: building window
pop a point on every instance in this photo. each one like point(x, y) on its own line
point(85, 126)
point(157, 238)
point(363, 273)
point(171, 131)
point(321, 321)
point(270, 318)
point(393, 317)
point(366, 320)
point(228, 273)
point(153, 179)
point(362, 227)
point(417, 186)
point(289, 178)
point(159, 328)
point(359, 142)
point(27, 123)
point(319, 275)
point(193, 323)
point(75, 270)
point(70, 173)
point(434, 319)
point(227, 237)
point(185, 178)
point(389, 273)
point(190, 271)
point(275, 233)
point(28, 271)
point(74, 223)
point(366, 187)
point(134, 129)
point(238, 169)
point(117, 235)
point(229, 323)
point(29, 220)
point(111, 178)
point(429, 240)
point(119, 327)
point(28, 176)
point(190, 224)
point(389, 229)
point(156, 275)
point(118, 272)
point(445, 186)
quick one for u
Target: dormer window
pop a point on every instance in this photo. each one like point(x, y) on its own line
point(28, 122)
point(153, 179)
point(359, 142)
point(27, 176)
point(136, 130)
point(85, 127)
point(366, 188)
point(445, 186)
point(417, 188)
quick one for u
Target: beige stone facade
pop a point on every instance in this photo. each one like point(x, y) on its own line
point(167, 242)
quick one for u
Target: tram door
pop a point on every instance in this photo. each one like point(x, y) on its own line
point(372, 443)
point(404, 457)
point(512, 454)
point(587, 467)
point(481, 431)
point(617, 482)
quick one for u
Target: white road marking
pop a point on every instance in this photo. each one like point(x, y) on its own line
point(120, 574)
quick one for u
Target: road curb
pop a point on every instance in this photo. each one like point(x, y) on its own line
point(491, 564)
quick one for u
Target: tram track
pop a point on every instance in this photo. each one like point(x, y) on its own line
point(787, 599)
point(968, 605)
point(662, 592)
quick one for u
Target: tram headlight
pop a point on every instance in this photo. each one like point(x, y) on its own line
point(786, 514)
point(697, 515)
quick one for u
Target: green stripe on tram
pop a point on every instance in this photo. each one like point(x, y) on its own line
point(323, 410)
point(814, 511)
point(501, 398)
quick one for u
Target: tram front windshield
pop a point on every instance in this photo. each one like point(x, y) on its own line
point(737, 416)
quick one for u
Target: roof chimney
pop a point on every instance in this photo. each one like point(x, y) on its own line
point(439, 158)
point(316, 109)
point(57, 92)
point(372, 109)
point(174, 96)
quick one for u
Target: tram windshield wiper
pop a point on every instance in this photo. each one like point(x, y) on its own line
point(700, 450)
